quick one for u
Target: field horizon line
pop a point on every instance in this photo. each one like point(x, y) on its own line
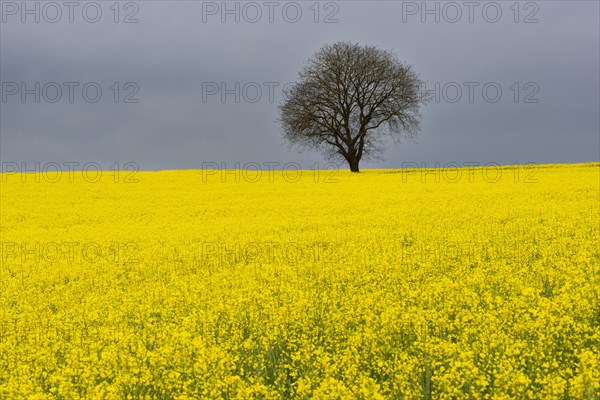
point(414, 166)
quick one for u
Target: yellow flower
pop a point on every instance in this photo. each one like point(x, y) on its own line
point(378, 286)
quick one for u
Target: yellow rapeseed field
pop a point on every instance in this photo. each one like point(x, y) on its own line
point(474, 283)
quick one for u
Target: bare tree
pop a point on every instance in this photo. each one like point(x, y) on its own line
point(349, 96)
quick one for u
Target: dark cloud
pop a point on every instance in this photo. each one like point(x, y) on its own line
point(171, 57)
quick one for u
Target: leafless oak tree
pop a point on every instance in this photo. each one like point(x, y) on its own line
point(349, 96)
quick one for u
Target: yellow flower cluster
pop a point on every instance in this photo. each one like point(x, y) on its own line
point(474, 283)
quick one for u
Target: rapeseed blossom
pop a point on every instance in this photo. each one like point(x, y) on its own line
point(387, 284)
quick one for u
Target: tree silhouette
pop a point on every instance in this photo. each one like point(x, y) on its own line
point(347, 98)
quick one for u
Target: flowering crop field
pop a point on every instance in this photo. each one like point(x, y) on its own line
point(474, 283)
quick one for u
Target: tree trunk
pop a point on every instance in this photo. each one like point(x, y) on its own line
point(353, 163)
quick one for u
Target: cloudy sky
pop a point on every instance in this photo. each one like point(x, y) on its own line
point(175, 84)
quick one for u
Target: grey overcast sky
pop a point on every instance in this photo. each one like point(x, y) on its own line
point(188, 82)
